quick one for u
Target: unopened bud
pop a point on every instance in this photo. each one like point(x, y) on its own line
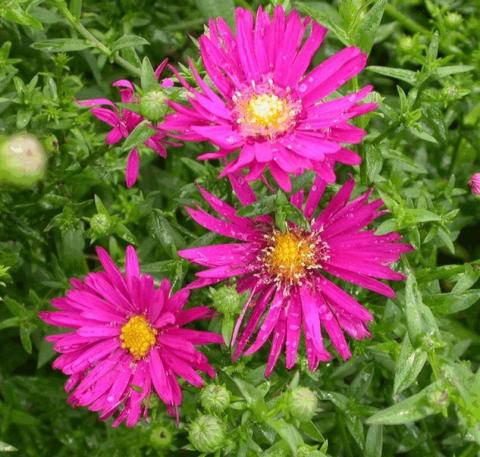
point(474, 184)
point(226, 300)
point(153, 105)
point(22, 160)
point(308, 451)
point(206, 433)
point(161, 437)
point(303, 403)
point(453, 19)
point(101, 224)
point(214, 398)
point(405, 43)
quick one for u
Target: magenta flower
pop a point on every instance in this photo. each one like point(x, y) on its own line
point(127, 341)
point(265, 106)
point(124, 121)
point(287, 272)
point(474, 184)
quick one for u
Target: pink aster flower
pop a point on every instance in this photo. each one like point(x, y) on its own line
point(124, 121)
point(266, 110)
point(127, 341)
point(288, 273)
point(474, 183)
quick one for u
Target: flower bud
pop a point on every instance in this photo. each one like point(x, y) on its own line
point(214, 398)
point(101, 224)
point(206, 433)
point(474, 184)
point(453, 19)
point(153, 105)
point(226, 300)
point(405, 43)
point(161, 437)
point(22, 160)
point(275, 451)
point(308, 451)
point(303, 403)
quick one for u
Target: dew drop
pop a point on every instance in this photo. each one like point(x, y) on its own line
point(302, 88)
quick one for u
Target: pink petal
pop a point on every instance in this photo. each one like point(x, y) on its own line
point(269, 322)
point(133, 166)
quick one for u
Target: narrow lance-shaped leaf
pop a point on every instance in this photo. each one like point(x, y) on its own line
point(367, 30)
point(411, 409)
point(408, 367)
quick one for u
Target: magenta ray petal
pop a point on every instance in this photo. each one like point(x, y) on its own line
point(264, 64)
point(123, 121)
point(290, 293)
point(127, 341)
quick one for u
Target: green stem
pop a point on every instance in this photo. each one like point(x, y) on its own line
point(406, 21)
point(184, 25)
point(80, 28)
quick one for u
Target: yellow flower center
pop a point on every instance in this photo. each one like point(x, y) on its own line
point(267, 109)
point(265, 114)
point(137, 336)
point(289, 256)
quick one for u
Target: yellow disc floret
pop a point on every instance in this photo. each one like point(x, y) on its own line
point(267, 110)
point(266, 114)
point(289, 256)
point(138, 336)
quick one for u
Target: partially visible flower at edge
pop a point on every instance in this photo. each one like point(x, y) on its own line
point(127, 341)
point(286, 272)
point(263, 105)
point(124, 121)
point(474, 183)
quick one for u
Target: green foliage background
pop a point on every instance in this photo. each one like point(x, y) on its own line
point(413, 389)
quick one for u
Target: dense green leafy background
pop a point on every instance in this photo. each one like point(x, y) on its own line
point(413, 389)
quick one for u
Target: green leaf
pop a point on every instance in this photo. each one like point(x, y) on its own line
point(227, 328)
point(408, 76)
point(162, 230)
point(71, 251)
point(100, 206)
point(422, 134)
point(411, 409)
point(288, 432)
point(408, 366)
point(355, 427)
point(419, 216)
point(443, 72)
point(141, 133)
point(326, 15)
point(5, 447)
point(45, 353)
point(148, 80)
point(374, 441)
point(129, 41)
point(217, 8)
point(76, 8)
point(451, 303)
point(198, 168)
point(413, 311)
point(367, 31)
point(10, 322)
point(62, 45)
point(15, 308)
point(374, 163)
point(252, 394)
point(312, 431)
point(25, 333)
point(14, 13)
